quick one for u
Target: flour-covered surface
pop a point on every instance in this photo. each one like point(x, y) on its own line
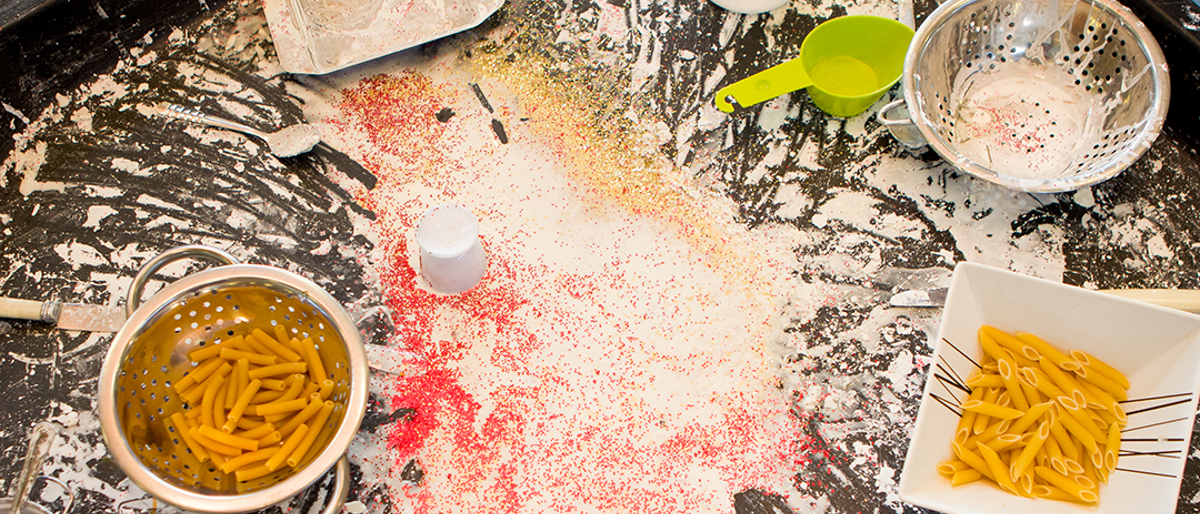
point(684, 311)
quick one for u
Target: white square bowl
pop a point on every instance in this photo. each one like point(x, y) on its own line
point(1157, 348)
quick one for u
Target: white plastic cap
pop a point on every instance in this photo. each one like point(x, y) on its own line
point(447, 231)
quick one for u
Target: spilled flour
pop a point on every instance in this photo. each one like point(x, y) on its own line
point(609, 361)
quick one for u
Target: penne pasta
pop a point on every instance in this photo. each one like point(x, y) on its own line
point(1067, 484)
point(1025, 459)
point(998, 468)
point(985, 380)
point(1023, 382)
point(991, 409)
point(1106, 384)
point(951, 467)
point(965, 476)
point(1099, 366)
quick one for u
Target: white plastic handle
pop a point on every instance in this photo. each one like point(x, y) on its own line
point(14, 308)
point(1181, 299)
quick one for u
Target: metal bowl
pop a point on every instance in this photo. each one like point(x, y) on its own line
point(150, 352)
point(1041, 96)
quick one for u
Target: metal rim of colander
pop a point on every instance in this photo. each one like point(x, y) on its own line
point(1149, 132)
point(185, 499)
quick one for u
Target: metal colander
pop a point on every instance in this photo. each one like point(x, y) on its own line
point(149, 353)
point(1043, 96)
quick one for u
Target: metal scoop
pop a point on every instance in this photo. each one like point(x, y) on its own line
point(287, 142)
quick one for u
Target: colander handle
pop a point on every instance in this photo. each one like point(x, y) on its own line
point(341, 486)
point(208, 253)
point(891, 106)
point(341, 491)
point(70, 501)
point(904, 130)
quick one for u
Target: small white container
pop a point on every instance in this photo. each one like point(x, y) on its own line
point(452, 258)
point(750, 6)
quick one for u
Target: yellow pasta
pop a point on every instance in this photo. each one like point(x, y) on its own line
point(1030, 452)
point(198, 375)
point(1067, 484)
point(213, 446)
point(239, 407)
point(281, 334)
point(253, 402)
point(181, 427)
point(317, 427)
point(270, 439)
point(256, 432)
point(965, 476)
point(288, 447)
point(1007, 370)
point(254, 358)
point(246, 459)
point(194, 394)
point(314, 405)
point(1038, 379)
point(204, 353)
point(271, 384)
point(981, 419)
point(278, 407)
point(280, 349)
point(208, 401)
point(998, 468)
point(1112, 449)
point(316, 369)
point(981, 380)
point(972, 459)
point(1101, 367)
point(256, 346)
point(220, 436)
point(1071, 398)
point(1107, 384)
point(991, 409)
point(244, 475)
point(1043, 348)
point(951, 467)
point(279, 369)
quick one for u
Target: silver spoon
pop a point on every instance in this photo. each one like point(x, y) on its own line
point(287, 142)
point(40, 440)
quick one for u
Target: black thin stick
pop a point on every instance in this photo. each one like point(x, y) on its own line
point(1156, 407)
point(955, 373)
point(1156, 398)
point(1154, 424)
point(960, 352)
point(1152, 440)
point(1151, 473)
point(947, 404)
point(943, 380)
point(1166, 454)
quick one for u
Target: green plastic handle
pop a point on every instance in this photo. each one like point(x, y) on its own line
point(764, 85)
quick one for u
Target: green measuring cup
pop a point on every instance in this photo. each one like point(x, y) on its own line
point(846, 63)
